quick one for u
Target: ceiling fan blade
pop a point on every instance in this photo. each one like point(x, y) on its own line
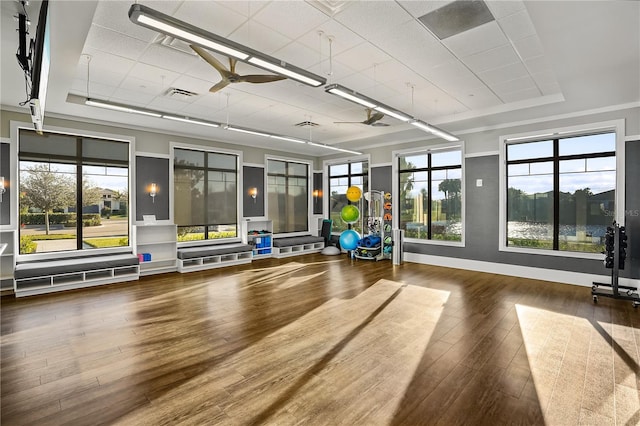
point(256, 78)
point(225, 73)
point(221, 85)
point(379, 124)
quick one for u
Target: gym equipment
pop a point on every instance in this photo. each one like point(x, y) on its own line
point(349, 239)
point(354, 194)
point(350, 213)
point(615, 245)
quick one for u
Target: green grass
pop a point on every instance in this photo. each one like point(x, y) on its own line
point(199, 236)
point(103, 242)
point(42, 237)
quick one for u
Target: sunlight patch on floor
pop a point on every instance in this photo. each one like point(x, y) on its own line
point(570, 360)
point(362, 349)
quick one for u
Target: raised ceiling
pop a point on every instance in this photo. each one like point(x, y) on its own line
point(526, 61)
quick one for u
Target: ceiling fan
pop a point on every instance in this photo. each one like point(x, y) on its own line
point(230, 75)
point(373, 118)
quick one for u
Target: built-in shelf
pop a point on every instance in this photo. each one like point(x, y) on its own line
point(158, 241)
point(259, 234)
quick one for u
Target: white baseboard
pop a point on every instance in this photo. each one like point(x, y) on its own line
point(554, 275)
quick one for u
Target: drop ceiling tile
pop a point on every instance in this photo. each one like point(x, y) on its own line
point(96, 90)
point(153, 75)
point(516, 85)
point(105, 76)
point(521, 95)
point(259, 37)
point(104, 61)
point(529, 47)
point(115, 16)
point(168, 58)
point(165, 104)
point(203, 71)
point(550, 89)
point(537, 65)
point(245, 8)
point(292, 53)
point(373, 20)
point(210, 16)
point(290, 18)
point(479, 39)
point(501, 8)
point(113, 42)
point(364, 56)
point(131, 97)
point(480, 97)
point(502, 74)
point(419, 8)
point(517, 26)
point(343, 39)
point(545, 78)
point(192, 84)
point(490, 59)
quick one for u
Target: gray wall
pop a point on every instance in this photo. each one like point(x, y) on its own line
point(317, 186)
point(632, 209)
point(482, 222)
point(5, 165)
point(381, 179)
point(152, 170)
point(253, 177)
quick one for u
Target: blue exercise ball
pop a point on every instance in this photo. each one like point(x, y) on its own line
point(349, 239)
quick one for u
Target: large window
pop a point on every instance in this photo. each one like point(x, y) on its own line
point(288, 195)
point(205, 194)
point(561, 192)
point(341, 177)
point(430, 194)
point(74, 193)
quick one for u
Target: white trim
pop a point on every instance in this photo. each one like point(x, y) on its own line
point(239, 188)
point(553, 275)
point(618, 126)
point(309, 164)
point(482, 154)
point(632, 138)
point(131, 140)
point(390, 163)
point(449, 146)
point(152, 154)
point(435, 242)
point(253, 165)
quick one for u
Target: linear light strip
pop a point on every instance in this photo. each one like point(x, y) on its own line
point(360, 99)
point(158, 114)
point(157, 21)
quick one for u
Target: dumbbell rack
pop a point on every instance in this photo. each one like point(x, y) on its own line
point(614, 289)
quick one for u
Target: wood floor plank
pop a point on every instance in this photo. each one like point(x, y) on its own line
point(318, 340)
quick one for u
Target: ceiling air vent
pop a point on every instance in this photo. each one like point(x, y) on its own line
point(307, 124)
point(456, 18)
point(180, 94)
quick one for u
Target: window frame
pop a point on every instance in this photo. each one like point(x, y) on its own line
point(239, 201)
point(453, 146)
point(326, 187)
point(616, 126)
point(309, 165)
point(16, 126)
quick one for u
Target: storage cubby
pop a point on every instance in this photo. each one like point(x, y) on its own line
point(160, 241)
point(259, 234)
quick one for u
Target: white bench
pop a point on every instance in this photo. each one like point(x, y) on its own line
point(214, 256)
point(46, 276)
point(295, 246)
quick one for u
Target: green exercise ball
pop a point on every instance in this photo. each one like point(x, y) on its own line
point(350, 213)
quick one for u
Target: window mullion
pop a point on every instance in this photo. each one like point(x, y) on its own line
point(556, 194)
point(429, 197)
point(79, 187)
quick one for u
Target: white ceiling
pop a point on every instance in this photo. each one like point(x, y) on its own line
point(536, 59)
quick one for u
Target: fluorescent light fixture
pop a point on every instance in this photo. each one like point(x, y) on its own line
point(190, 121)
point(315, 82)
point(434, 130)
point(250, 132)
point(117, 107)
point(165, 24)
point(285, 138)
point(360, 99)
point(350, 95)
point(395, 114)
point(334, 148)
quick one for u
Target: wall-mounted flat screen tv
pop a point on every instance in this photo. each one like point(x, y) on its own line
point(41, 57)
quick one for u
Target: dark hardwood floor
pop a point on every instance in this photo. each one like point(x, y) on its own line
point(317, 340)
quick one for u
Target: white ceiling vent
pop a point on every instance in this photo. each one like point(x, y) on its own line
point(179, 94)
point(457, 17)
point(329, 7)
